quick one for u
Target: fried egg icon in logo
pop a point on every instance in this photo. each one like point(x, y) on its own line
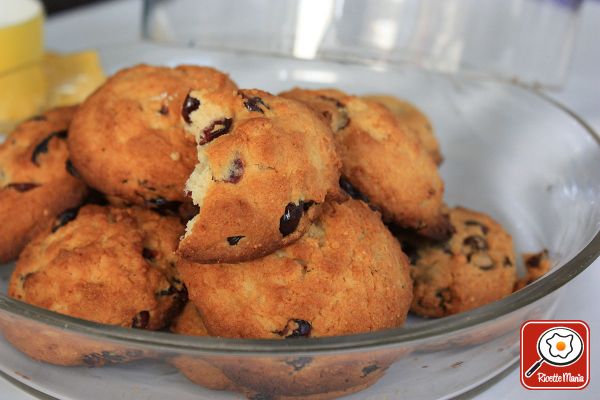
point(560, 346)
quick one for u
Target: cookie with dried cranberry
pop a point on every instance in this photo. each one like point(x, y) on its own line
point(265, 166)
point(127, 139)
point(415, 121)
point(289, 377)
point(307, 377)
point(104, 264)
point(383, 162)
point(476, 266)
point(346, 275)
point(58, 346)
point(37, 181)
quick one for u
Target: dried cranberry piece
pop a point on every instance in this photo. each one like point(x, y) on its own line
point(233, 240)
point(190, 104)
point(42, 147)
point(180, 294)
point(295, 328)
point(291, 218)
point(149, 254)
point(303, 329)
point(254, 103)
point(64, 218)
point(535, 260)
point(216, 129)
point(476, 243)
point(483, 227)
point(164, 110)
point(299, 363)
point(103, 358)
point(141, 320)
point(236, 171)
point(22, 186)
point(335, 101)
point(369, 369)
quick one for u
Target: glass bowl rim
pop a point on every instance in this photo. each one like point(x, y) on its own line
point(390, 337)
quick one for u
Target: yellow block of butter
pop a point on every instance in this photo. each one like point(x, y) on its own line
point(58, 80)
point(72, 77)
point(22, 94)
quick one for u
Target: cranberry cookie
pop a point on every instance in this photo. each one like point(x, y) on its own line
point(37, 181)
point(346, 275)
point(474, 267)
point(265, 166)
point(58, 346)
point(279, 377)
point(415, 121)
point(382, 162)
point(127, 139)
point(103, 264)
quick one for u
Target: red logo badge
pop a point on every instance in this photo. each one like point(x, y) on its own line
point(555, 355)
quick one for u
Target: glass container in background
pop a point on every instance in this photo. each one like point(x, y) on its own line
point(529, 41)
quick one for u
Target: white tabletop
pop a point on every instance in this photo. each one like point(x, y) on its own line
point(86, 27)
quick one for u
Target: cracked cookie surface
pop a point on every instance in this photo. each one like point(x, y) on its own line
point(382, 160)
point(265, 166)
point(474, 267)
point(127, 139)
point(346, 275)
point(37, 181)
point(103, 264)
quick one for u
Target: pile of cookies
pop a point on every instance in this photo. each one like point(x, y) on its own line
point(305, 214)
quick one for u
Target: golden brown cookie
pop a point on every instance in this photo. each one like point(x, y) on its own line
point(58, 346)
point(103, 264)
point(346, 275)
point(382, 162)
point(36, 179)
point(307, 377)
point(265, 166)
point(127, 139)
point(476, 266)
point(415, 121)
point(323, 376)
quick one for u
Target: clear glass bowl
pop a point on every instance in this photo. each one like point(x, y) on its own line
point(490, 38)
point(509, 151)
